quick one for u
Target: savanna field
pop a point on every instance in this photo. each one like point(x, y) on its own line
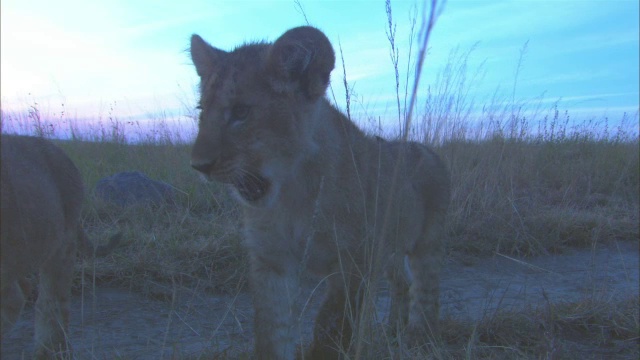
point(515, 194)
point(525, 188)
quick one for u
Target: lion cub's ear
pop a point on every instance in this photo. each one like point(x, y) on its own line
point(301, 60)
point(205, 57)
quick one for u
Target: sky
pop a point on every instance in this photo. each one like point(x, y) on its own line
point(130, 59)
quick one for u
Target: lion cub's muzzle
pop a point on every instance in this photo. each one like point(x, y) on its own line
point(204, 168)
point(251, 186)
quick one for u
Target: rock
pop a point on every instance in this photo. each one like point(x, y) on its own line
point(132, 188)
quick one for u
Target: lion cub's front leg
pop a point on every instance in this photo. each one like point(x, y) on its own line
point(52, 306)
point(426, 262)
point(13, 298)
point(337, 316)
point(275, 288)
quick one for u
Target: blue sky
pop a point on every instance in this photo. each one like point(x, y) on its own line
point(130, 55)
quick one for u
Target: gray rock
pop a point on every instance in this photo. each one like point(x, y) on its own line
point(132, 188)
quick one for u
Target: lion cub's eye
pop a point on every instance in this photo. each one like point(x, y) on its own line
point(238, 113)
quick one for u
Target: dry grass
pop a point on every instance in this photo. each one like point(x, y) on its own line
point(531, 198)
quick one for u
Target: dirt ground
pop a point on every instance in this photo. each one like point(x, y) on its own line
point(116, 323)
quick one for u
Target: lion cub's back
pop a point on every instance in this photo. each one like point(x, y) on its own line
point(426, 172)
point(42, 196)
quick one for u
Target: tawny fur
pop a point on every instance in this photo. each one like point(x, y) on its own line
point(317, 193)
point(42, 195)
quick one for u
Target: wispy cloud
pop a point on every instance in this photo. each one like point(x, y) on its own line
point(568, 77)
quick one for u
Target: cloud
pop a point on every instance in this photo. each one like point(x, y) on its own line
point(50, 59)
point(567, 77)
point(103, 51)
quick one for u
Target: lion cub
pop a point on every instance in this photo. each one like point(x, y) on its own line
point(317, 193)
point(42, 194)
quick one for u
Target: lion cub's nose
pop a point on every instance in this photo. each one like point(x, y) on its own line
point(203, 167)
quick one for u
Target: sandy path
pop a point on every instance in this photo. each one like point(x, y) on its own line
point(118, 323)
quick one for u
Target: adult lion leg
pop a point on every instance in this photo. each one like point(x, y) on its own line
point(52, 306)
point(275, 290)
point(425, 262)
point(337, 317)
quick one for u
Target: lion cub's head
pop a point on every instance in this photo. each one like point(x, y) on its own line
point(257, 109)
